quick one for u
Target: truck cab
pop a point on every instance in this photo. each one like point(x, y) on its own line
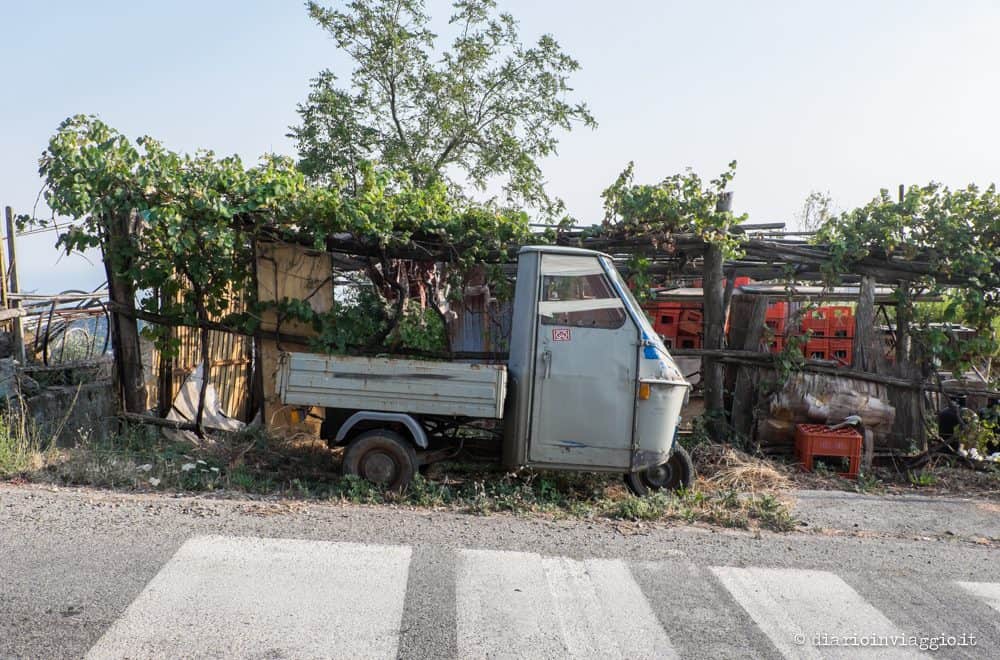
point(591, 386)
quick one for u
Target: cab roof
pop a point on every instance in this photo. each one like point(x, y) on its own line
point(559, 249)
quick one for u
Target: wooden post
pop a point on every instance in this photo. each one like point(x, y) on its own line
point(4, 302)
point(714, 324)
point(19, 351)
point(904, 319)
point(743, 394)
point(869, 345)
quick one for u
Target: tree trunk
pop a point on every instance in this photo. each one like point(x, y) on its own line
point(124, 329)
point(714, 324)
point(206, 365)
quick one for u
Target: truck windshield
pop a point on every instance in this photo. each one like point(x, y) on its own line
point(633, 304)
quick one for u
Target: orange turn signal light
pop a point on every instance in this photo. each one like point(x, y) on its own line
point(643, 391)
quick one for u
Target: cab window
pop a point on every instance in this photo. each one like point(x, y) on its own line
point(576, 292)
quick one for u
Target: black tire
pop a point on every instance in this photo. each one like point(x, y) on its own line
point(675, 474)
point(382, 457)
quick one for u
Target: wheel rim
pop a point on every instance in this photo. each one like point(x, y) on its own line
point(379, 467)
point(659, 476)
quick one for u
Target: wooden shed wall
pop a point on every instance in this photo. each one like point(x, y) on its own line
point(288, 271)
point(230, 367)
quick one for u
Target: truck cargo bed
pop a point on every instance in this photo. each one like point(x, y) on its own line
point(393, 385)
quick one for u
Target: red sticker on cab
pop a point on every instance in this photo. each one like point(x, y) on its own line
point(561, 334)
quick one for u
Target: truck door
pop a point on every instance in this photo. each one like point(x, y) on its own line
point(585, 367)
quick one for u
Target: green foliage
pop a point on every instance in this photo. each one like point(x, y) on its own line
point(639, 279)
point(192, 219)
point(979, 432)
point(681, 203)
point(922, 478)
point(869, 483)
point(487, 106)
point(954, 237)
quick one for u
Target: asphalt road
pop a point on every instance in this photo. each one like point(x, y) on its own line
point(106, 575)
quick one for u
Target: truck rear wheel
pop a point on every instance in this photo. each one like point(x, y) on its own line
point(383, 457)
point(676, 473)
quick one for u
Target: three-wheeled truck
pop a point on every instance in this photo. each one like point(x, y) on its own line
point(588, 385)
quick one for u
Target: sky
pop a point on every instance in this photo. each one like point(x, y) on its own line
point(841, 97)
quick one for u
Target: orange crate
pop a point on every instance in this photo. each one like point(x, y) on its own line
point(688, 341)
point(812, 440)
point(690, 323)
point(776, 345)
point(817, 349)
point(778, 310)
point(666, 320)
point(816, 320)
point(840, 322)
point(842, 351)
point(777, 326)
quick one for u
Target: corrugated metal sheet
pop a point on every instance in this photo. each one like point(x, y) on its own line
point(393, 385)
point(481, 326)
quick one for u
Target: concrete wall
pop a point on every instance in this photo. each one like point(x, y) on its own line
point(75, 413)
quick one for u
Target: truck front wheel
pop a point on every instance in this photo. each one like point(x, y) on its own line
point(676, 473)
point(383, 457)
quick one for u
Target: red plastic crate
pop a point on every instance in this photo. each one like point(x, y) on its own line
point(777, 326)
point(842, 350)
point(688, 341)
point(840, 322)
point(691, 322)
point(778, 310)
point(776, 345)
point(665, 321)
point(817, 349)
point(812, 440)
point(817, 321)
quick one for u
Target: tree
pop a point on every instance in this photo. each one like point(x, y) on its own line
point(486, 107)
point(816, 211)
point(683, 203)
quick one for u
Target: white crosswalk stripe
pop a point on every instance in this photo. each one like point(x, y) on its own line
point(800, 610)
point(244, 597)
point(520, 605)
point(251, 597)
point(988, 591)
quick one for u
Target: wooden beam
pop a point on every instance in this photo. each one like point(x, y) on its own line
point(14, 286)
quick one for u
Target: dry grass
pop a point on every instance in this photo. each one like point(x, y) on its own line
point(727, 468)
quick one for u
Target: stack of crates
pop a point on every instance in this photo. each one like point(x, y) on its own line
point(841, 335)
point(678, 324)
point(831, 334)
point(776, 318)
point(816, 323)
point(666, 317)
point(690, 329)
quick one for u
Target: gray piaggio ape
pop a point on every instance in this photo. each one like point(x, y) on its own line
point(588, 386)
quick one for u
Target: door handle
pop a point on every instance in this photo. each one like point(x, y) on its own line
point(547, 361)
